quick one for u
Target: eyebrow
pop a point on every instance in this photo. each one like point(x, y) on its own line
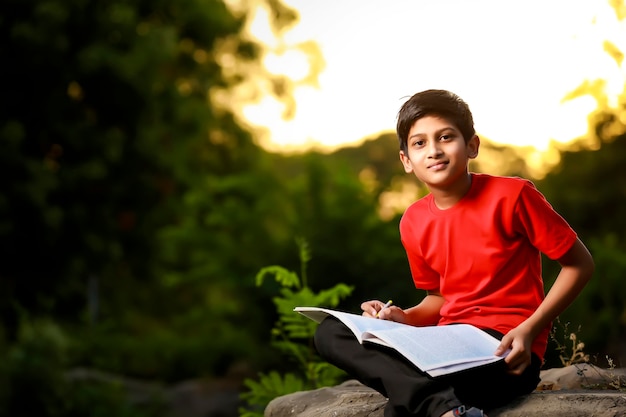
point(438, 132)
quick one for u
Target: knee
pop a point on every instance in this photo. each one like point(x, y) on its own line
point(325, 334)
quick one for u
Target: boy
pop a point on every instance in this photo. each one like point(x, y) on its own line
point(474, 244)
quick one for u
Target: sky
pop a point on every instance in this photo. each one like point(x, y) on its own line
point(513, 62)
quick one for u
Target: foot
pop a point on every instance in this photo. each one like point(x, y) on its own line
point(464, 412)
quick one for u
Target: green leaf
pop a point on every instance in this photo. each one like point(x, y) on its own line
point(283, 276)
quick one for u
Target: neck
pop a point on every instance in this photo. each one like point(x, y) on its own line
point(446, 197)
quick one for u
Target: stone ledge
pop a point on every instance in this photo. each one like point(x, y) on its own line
point(571, 403)
point(352, 399)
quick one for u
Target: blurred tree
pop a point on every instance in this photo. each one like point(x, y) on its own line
point(119, 167)
point(350, 242)
point(588, 188)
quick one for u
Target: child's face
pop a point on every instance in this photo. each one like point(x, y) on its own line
point(437, 153)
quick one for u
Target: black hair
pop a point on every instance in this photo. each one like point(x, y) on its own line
point(434, 102)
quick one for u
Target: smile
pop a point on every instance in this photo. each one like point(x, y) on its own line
point(438, 165)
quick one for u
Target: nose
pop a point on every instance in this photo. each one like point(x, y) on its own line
point(434, 149)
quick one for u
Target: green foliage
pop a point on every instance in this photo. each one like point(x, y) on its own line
point(269, 386)
point(292, 336)
point(114, 156)
point(283, 276)
point(33, 381)
point(588, 188)
point(600, 310)
point(338, 212)
point(118, 167)
point(34, 366)
point(172, 353)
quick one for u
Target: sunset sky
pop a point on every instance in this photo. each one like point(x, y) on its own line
point(512, 61)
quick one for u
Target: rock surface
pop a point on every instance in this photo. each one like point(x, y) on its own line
point(563, 392)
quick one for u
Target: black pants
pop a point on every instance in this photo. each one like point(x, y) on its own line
point(412, 392)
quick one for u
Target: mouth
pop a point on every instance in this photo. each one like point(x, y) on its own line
point(437, 166)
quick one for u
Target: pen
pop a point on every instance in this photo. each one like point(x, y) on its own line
point(390, 302)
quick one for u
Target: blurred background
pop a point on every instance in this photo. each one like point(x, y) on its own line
point(155, 155)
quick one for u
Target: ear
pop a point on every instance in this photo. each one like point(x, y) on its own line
point(406, 162)
point(472, 147)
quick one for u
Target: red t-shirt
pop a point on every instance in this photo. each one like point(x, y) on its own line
point(484, 252)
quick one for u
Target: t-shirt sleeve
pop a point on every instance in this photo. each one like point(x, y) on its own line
point(424, 277)
point(546, 229)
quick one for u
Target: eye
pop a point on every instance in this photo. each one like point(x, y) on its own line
point(445, 137)
point(418, 143)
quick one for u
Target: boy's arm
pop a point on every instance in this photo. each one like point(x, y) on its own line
point(576, 269)
point(426, 313)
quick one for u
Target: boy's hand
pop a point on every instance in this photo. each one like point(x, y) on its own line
point(374, 309)
point(519, 341)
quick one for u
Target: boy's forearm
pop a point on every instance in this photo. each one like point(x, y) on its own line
point(426, 313)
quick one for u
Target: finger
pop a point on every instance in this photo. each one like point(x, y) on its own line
point(370, 308)
point(518, 370)
point(384, 314)
point(392, 313)
point(516, 362)
point(505, 344)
